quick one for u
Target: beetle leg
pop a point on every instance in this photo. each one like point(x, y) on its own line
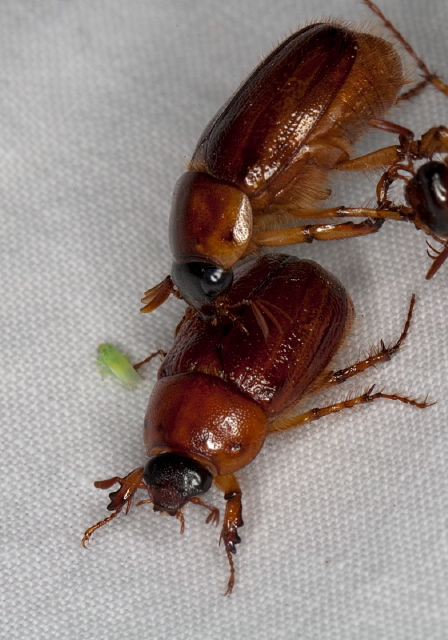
point(429, 78)
point(213, 516)
point(395, 213)
point(439, 257)
point(156, 296)
point(374, 160)
point(308, 233)
point(433, 141)
point(282, 424)
point(118, 499)
point(232, 520)
point(387, 156)
point(383, 354)
point(160, 352)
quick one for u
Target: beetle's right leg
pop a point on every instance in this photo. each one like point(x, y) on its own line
point(335, 377)
point(383, 354)
point(428, 77)
point(118, 499)
point(156, 296)
point(160, 352)
point(232, 520)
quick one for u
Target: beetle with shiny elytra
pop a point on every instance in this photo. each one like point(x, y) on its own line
point(265, 158)
point(221, 390)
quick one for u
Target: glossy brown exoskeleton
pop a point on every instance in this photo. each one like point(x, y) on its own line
point(426, 186)
point(222, 388)
point(426, 189)
point(265, 158)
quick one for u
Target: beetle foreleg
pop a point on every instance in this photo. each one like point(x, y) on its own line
point(156, 296)
point(232, 520)
point(439, 257)
point(160, 352)
point(381, 355)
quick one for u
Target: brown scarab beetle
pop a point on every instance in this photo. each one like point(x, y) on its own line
point(426, 189)
point(222, 388)
point(265, 158)
point(426, 186)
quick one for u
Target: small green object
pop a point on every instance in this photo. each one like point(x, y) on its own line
point(112, 361)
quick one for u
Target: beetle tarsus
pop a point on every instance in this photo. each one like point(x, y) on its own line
point(118, 499)
point(213, 516)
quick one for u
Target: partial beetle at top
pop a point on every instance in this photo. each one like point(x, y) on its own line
point(266, 157)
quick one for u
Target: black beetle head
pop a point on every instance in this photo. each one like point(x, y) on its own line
point(173, 479)
point(200, 283)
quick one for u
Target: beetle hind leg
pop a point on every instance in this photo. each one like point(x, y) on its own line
point(283, 424)
point(383, 354)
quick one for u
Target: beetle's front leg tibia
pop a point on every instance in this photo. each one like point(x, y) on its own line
point(232, 520)
point(118, 499)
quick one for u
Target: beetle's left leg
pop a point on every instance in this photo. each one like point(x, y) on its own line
point(232, 520)
point(391, 157)
point(284, 423)
point(438, 257)
point(308, 233)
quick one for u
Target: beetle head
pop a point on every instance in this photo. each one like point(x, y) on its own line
point(200, 283)
point(173, 479)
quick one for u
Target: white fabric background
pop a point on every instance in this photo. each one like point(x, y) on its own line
point(345, 532)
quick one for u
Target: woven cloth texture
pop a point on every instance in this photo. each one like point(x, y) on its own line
point(345, 534)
